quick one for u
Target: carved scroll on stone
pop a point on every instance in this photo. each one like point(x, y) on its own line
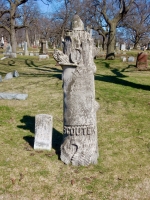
point(79, 146)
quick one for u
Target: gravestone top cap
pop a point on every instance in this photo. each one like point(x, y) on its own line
point(77, 23)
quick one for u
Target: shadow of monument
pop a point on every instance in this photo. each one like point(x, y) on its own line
point(118, 79)
point(29, 124)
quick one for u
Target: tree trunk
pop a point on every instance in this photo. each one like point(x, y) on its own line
point(12, 29)
point(13, 39)
point(27, 37)
point(111, 42)
point(104, 44)
point(137, 38)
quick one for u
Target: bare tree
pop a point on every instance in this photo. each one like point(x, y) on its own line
point(113, 18)
point(9, 23)
point(137, 22)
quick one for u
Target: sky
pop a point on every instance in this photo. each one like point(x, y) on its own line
point(46, 8)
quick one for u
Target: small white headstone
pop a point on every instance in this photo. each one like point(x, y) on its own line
point(43, 57)
point(43, 132)
point(31, 54)
point(131, 59)
point(123, 58)
point(123, 47)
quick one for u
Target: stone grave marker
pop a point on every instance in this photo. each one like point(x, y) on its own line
point(16, 96)
point(43, 49)
point(131, 59)
point(141, 62)
point(123, 47)
point(79, 145)
point(123, 58)
point(26, 53)
point(43, 132)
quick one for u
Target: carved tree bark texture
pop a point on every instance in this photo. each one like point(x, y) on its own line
point(80, 132)
point(43, 132)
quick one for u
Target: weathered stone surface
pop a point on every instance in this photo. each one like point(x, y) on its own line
point(0, 78)
point(13, 55)
point(131, 59)
point(80, 128)
point(43, 49)
point(31, 54)
point(8, 76)
point(26, 53)
point(43, 57)
point(77, 24)
point(5, 95)
point(15, 73)
point(3, 58)
point(43, 132)
point(141, 62)
point(123, 58)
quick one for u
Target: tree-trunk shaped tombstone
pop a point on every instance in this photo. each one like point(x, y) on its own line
point(80, 146)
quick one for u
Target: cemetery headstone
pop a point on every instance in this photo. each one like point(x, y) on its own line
point(123, 58)
point(8, 76)
point(8, 50)
point(79, 145)
point(123, 47)
point(131, 59)
point(43, 57)
point(15, 73)
point(141, 62)
point(43, 132)
point(43, 49)
point(26, 53)
point(31, 54)
point(4, 95)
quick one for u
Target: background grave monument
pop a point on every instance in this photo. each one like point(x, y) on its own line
point(26, 53)
point(141, 62)
point(79, 146)
point(43, 49)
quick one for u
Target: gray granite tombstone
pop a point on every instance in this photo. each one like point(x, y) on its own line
point(43, 132)
point(26, 53)
point(9, 75)
point(80, 146)
point(16, 96)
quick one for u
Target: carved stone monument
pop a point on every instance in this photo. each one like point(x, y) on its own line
point(80, 146)
point(43, 132)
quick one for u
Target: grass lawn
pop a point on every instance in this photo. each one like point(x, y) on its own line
point(123, 121)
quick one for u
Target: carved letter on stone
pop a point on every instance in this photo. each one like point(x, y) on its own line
point(79, 146)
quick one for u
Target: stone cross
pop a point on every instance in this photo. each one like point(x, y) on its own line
point(80, 146)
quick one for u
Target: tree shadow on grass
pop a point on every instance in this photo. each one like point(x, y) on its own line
point(29, 124)
point(118, 79)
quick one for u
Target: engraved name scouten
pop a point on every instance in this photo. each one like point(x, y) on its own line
point(79, 130)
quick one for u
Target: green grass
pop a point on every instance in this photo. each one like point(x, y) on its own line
point(123, 122)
